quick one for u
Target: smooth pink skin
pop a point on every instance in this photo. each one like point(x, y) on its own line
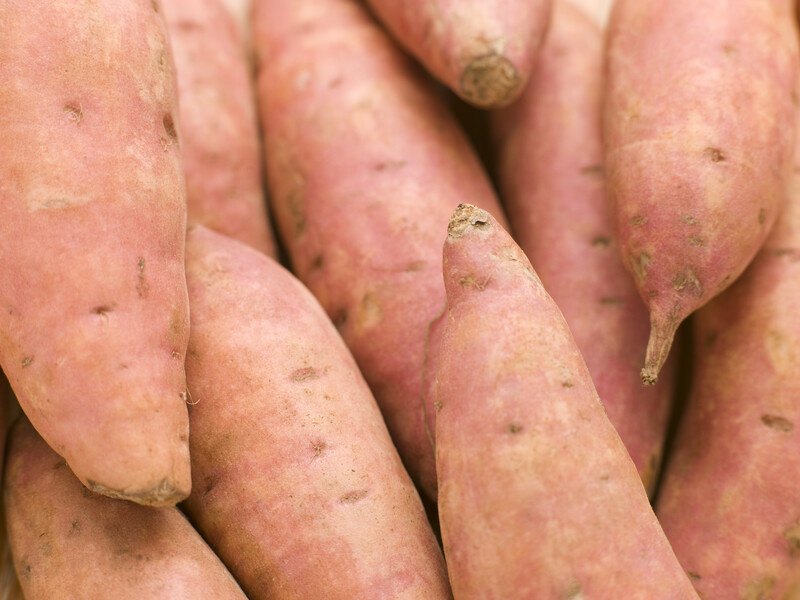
point(537, 495)
point(483, 50)
point(94, 319)
point(299, 488)
point(550, 165)
point(365, 165)
point(220, 143)
point(70, 543)
point(699, 133)
point(729, 501)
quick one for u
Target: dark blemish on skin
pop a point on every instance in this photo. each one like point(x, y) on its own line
point(169, 127)
point(472, 281)
point(304, 374)
point(605, 477)
point(75, 527)
point(567, 384)
point(74, 113)
point(608, 301)
point(784, 252)
point(689, 220)
point(711, 338)
point(413, 267)
point(154, 4)
point(389, 165)
point(601, 241)
point(728, 48)
point(26, 571)
point(640, 266)
point(142, 287)
point(697, 241)
point(437, 406)
point(792, 537)
point(103, 309)
point(777, 422)
point(59, 465)
point(317, 448)
point(693, 575)
point(317, 262)
point(514, 428)
point(340, 318)
point(762, 216)
point(638, 220)
point(26, 361)
point(123, 366)
point(687, 280)
point(353, 497)
point(592, 170)
point(714, 154)
point(209, 484)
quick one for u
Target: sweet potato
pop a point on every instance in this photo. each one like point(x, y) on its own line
point(481, 49)
point(699, 132)
point(219, 143)
point(730, 504)
point(537, 496)
point(365, 165)
point(94, 319)
point(550, 165)
point(299, 489)
point(68, 542)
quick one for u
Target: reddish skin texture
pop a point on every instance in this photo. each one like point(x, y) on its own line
point(70, 543)
point(730, 504)
point(537, 495)
point(363, 220)
point(94, 319)
point(308, 497)
point(550, 159)
point(483, 50)
point(220, 145)
point(697, 148)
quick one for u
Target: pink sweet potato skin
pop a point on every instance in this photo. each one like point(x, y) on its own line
point(537, 495)
point(365, 165)
point(730, 504)
point(68, 542)
point(94, 319)
point(483, 50)
point(219, 142)
point(299, 488)
point(550, 165)
point(698, 145)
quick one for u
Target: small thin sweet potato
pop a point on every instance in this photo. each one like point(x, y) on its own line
point(299, 489)
point(537, 496)
point(68, 542)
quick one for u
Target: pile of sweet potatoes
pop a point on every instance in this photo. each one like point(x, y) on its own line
point(451, 372)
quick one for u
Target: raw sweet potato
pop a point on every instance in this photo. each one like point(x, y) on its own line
point(550, 164)
point(537, 495)
point(481, 49)
point(94, 319)
point(299, 489)
point(699, 132)
point(365, 165)
point(219, 142)
point(730, 503)
point(68, 542)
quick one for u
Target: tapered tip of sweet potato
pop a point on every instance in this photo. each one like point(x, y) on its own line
point(164, 494)
point(490, 81)
point(662, 333)
point(465, 218)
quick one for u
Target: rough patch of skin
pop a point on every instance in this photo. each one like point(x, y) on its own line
point(549, 152)
point(538, 497)
point(306, 494)
point(333, 88)
point(685, 138)
point(96, 220)
point(484, 50)
point(71, 543)
point(729, 501)
point(220, 145)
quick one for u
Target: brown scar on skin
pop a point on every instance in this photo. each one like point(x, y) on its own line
point(26, 361)
point(638, 220)
point(687, 280)
point(304, 374)
point(762, 216)
point(777, 422)
point(592, 169)
point(689, 220)
point(142, 287)
point(601, 241)
point(472, 281)
point(715, 154)
point(353, 497)
point(74, 113)
point(640, 265)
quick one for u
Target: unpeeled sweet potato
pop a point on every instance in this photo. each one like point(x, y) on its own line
point(699, 130)
point(730, 504)
point(550, 164)
point(365, 165)
point(68, 542)
point(483, 50)
point(94, 319)
point(298, 487)
point(537, 495)
point(220, 143)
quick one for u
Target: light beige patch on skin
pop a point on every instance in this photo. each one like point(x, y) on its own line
point(781, 352)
